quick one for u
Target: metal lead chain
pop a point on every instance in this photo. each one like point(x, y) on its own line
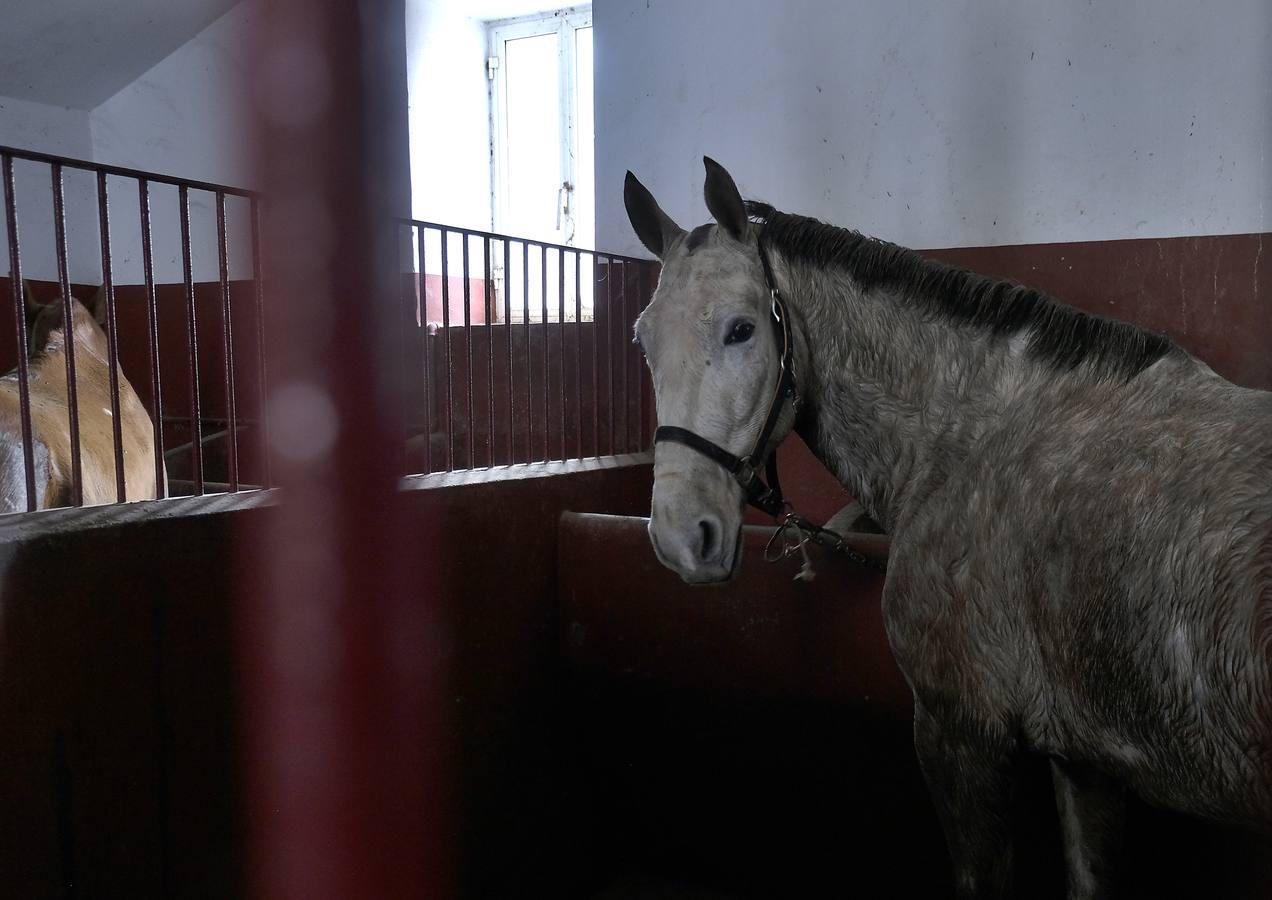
point(789, 538)
point(794, 534)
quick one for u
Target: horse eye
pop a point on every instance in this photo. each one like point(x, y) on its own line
point(740, 333)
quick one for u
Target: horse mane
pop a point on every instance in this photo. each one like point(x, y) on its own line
point(1060, 336)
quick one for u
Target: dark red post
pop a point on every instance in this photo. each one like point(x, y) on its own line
point(341, 655)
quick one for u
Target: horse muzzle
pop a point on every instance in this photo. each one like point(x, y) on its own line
point(699, 547)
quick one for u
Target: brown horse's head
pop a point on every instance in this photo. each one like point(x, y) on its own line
point(44, 323)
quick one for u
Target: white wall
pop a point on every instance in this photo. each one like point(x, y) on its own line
point(184, 117)
point(449, 114)
point(944, 123)
point(65, 132)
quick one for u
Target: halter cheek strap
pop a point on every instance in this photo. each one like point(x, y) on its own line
point(745, 469)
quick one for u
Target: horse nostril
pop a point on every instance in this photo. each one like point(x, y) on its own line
point(710, 541)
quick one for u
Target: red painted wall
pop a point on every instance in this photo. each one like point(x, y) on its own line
point(120, 708)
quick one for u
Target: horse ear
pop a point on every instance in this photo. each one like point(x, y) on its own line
point(97, 305)
point(29, 296)
point(723, 199)
point(654, 227)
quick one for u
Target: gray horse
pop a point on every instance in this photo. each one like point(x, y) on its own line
point(1080, 511)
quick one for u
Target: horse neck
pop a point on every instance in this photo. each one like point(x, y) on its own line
point(887, 391)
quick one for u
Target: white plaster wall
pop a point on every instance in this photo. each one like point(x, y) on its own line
point(449, 114)
point(186, 117)
point(65, 132)
point(971, 122)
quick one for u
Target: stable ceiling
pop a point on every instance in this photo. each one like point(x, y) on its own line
point(78, 53)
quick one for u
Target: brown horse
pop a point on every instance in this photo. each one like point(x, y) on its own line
point(50, 419)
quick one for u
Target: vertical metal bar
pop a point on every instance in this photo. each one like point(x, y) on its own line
point(624, 343)
point(610, 270)
point(561, 330)
point(187, 276)
point(68, 336)
point(112, 336)
point(512, 455)
point(231, 407)
point(152, 334)
point(468, 352)
point(20, 336)
point(578, 356)
point(428, 374)
point(525, 321)
point(490, 352)
point(641, 300)
point(450, 371)
point(547, 379)
point(596, 345)
point(406, 319)
point(259, 291)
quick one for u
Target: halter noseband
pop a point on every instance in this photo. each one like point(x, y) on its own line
point(745, 469)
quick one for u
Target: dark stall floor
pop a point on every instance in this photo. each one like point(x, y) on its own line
point(694, 796)
point(707, 797)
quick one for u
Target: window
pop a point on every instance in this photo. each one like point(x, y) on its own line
point(541, 111)
point(540, 71)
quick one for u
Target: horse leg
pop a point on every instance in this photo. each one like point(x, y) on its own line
point(1092, 809)
point(970, 778)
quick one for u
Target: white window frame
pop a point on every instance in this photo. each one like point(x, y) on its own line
point(563, 22)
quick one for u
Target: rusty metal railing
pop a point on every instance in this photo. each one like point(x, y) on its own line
point(515, 350)
point(522, 350)
point(146, 350)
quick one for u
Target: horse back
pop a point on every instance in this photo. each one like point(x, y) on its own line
point(50, 424)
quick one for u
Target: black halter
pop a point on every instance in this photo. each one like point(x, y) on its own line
point(745, 469)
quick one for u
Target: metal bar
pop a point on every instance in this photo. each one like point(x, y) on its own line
point(547, 380)
point(470, 457)
point(152, 332)
point(525, 321)
point(641, 299)
point(68, 336)
point(578, 357)
point(244, 421)
point(173, 452)
point(187, 276)
point(450, 370)
point(495, 235)
point(231, 406)
point(406, 317)
point(610, 269)
point(84, 165)
point(561, 330)
point(261, 386)
point(490, 353)
point(428, 375)
point(624, 343)
point(596, 350)
point(512, 454)
point(19, 323)
point(622, 348)
point(112, 337)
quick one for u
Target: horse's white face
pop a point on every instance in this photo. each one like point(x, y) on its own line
point(708, 339)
